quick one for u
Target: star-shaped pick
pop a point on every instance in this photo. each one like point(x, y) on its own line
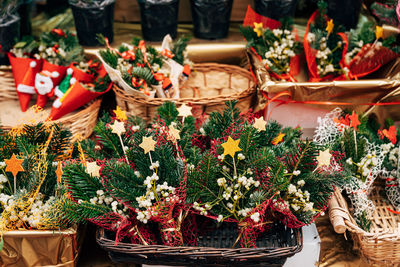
point(148, 144)
point(59, 172)
point(231, 147)
point(184, 111)
point(174, 132)
point(118, 127)
point(258, 28)
point(278, 139)
point(324, 158)
point(259, 124)
point(93, 169)
point(354, 122)
point(14, 165)
point(329, 26)
point(378, 32)
point(120, 114)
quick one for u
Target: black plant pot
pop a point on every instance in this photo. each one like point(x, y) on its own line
point(211, 18)
point(25, 13)
point(345, 12)
point(276, 9)
point(90, 21)
point(9, 34)
point(159, 19)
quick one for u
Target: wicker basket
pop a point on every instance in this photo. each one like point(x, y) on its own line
point(207, 89)
point(215, 249)
point(80, 123)
point(381, 245)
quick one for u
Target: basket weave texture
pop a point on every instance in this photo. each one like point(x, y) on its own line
point(215, 249)
point(381, 245)
point(80, 123)
point(208, 88)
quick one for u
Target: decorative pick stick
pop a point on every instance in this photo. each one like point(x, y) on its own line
point(354, 122)
point(14, 166)
point(230, 148)
point(119, 128)
point(184, 111)
point(148, 144)
point(174, 136)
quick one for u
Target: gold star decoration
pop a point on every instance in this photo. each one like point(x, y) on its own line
point(278, 139)
point(148, 144)
point(324, 158)
point(259, 124)
point(120, 114)
point(231, 147)
point(93, 169)
point(185, 111)
point(59, 172)
point(173, 132)
point(379, 32)
point(118, 127)
point(329, 26)
point(258, 28)
point(14, 165)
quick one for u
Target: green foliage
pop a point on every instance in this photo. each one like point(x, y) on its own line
point(145, 74)
point(179, 48)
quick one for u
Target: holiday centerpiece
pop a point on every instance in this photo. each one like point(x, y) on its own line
point(31, 196)
point(172, 182)
point(370, 152)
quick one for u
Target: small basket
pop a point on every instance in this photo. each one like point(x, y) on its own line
point(274, 247)
point(382, 244)
point(80, 123)
point(208, 88)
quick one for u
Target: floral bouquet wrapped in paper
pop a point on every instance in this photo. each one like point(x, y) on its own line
point(142, 70)
point(276, 44)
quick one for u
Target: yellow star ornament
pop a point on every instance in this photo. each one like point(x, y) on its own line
point(14, 165)
point(329, 26)
point(120, 114)
point(278, 139)
point(324, 158)
point(231, 147)
point(148, 144)
point(379, 32)
point(118, 127)
point(259, 124)
point(93, 169)
point(173, 132)
point(258, 28)
point(185, 111)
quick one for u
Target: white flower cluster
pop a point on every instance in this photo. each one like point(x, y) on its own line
point(51, 54)
point(255, 217)
point(123, 65)
point(298, 200)
point(35, 214)
point(202, 208)
point(281, 51)
point(367, 163)
point(3, 180)
point(103, 199)
point(135, 128)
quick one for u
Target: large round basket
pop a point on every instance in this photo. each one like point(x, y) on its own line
point(381, 244)
point(208, 88)
point(80, 123)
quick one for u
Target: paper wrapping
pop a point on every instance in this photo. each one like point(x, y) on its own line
point(327, 95)
point(41, 248)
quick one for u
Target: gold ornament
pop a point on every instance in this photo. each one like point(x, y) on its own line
point(260, 124)
point(231, 147)
point(148, 144)
point(324, 158)
point(93, 169)
point(120, 114)
point(185, 111)
point(258, 28)
point(118, 127)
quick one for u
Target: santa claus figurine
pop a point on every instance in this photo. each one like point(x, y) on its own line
point(45, 82)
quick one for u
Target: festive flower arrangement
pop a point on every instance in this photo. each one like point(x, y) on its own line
point(142, 68)
point(278, 47)
point(147, 181)
point(56, 66)
point(31, 189)
point(369, 152)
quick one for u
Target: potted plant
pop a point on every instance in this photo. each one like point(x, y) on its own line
point(91, 18)
point(158, 18)
point(276, 9)
point(9, 27)
point(211, 18)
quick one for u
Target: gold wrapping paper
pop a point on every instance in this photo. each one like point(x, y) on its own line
point(354, 92)
point(41, 248)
